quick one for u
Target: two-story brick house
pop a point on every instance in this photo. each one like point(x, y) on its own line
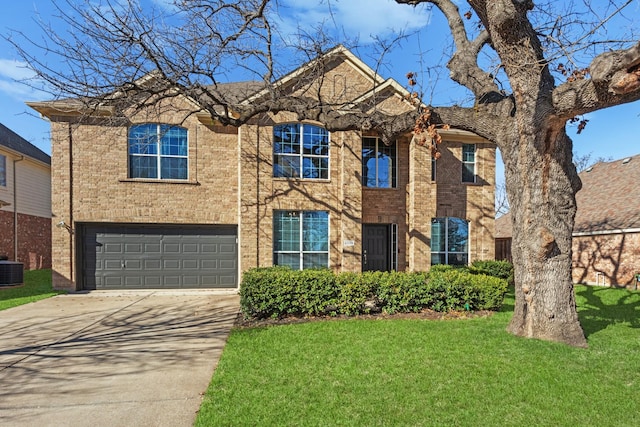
point(168, 202)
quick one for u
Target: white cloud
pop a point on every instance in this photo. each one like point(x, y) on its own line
point(14, 76)
point(363, 18)
point(13, 69)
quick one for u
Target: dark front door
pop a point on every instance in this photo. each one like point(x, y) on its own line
point(375, 247)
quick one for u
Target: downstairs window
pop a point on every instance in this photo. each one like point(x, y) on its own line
point(301, 239)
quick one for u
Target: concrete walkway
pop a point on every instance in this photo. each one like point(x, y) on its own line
point(107, 359)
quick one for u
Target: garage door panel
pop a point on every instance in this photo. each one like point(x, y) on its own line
point(113, 282)
point(171, 264)
point(209, 249)
point(113, 248)
point(152, 281)
point(171, 248)
point(121, 257)
point(132, 281)
point(171, 281)
point(188, 248)
point(133, 248)
point(227, 264)
point(190, 264)
point(152, 264)
point(152, 248)
point(112, 264)
point(228, 249)
point(229, 280)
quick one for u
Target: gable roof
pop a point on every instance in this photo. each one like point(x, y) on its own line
point(337, 52)
point(503, 227)
point(608, 201)
point(18, 144)
point(237, 93)
point(610, 196)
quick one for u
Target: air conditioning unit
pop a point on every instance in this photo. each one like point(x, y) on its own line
point(11, 273)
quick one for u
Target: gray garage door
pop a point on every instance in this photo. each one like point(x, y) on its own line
point(157, 257)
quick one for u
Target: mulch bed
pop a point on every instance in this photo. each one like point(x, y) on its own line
point(241, 322)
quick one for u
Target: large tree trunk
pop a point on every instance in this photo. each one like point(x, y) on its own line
point(541, 183)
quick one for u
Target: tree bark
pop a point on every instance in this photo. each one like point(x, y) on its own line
point(542, 182)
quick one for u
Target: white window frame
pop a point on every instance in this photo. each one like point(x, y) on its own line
point(158, 155)
point(446, 251)
point(301, 155)
point(301, 252)
point(434, 169)
point(394, 247)
point(466, 162)
point(393, 178)
point(3, 170)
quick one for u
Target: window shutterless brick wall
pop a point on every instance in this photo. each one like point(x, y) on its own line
point(34, 240)
point(611, 259)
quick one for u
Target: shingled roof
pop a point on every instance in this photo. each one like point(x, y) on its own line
point(503, 227)
point(610, 196)
point(15, 142)
point(609, 199)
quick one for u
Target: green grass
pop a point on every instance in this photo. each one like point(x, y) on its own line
point(467, 372)
point(37, 286)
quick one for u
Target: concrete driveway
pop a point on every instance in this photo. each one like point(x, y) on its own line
point(107, 359)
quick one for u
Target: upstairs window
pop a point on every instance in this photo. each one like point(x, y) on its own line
point(378, 163)
point(301, 239)
point(3, 171)
point(468, 163)
point(433, 168)
point(158, 151)
point(300, 151)
point(449, 241)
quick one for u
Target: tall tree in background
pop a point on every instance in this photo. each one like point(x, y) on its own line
point(530, 66)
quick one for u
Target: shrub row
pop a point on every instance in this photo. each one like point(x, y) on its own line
point(279, 291)
point(501, 269)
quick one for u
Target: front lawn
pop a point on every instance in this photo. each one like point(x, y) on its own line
point(466, 372)
point(37, 286)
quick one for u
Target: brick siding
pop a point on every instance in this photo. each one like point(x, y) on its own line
point(611, 259)
point(34, 240)
point(231, 183)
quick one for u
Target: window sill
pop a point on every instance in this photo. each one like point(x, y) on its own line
point(319, 180)
point(379, 188)
point(160, 181)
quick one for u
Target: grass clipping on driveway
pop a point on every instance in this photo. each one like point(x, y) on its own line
point(411, 372)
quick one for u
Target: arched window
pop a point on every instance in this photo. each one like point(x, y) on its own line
point(300, 151)
point(449, 241)
point(158, 151)
point(378, 163)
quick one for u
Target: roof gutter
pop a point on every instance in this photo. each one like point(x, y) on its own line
point(15, 209)
point(605, 232)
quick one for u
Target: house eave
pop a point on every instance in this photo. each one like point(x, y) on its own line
point(51, 109)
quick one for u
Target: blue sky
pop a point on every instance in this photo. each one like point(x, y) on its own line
point(614, 132)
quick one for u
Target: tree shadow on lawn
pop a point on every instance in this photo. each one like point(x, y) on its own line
point(600, 307)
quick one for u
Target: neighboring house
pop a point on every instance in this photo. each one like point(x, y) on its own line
point(503, 238)
point(165, 203)
point(606, 235)
point(25, 201)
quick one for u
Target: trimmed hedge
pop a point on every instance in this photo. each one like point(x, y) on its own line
point(279, 292)
point(501, 269)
